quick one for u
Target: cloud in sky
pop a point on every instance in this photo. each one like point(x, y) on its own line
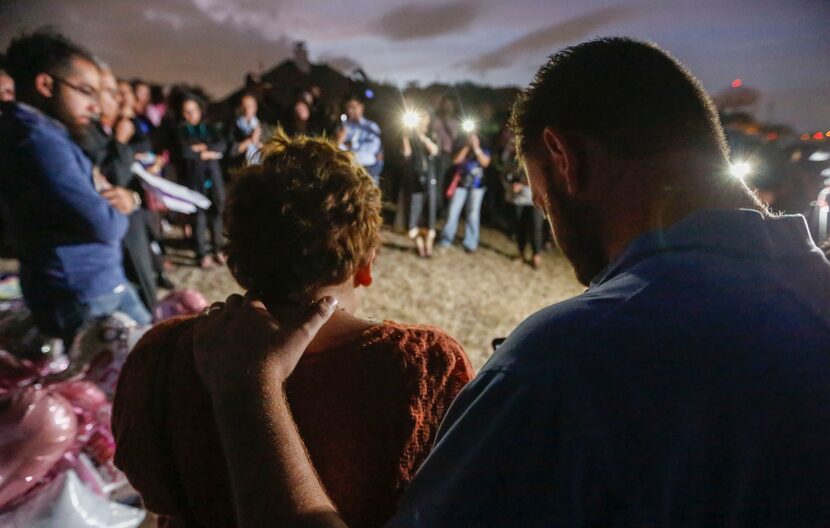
point(780, 49)
point(170, 41)
point(416, 21)
point(340, 63)
point(554, 34)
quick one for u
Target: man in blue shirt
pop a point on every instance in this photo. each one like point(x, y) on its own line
point(362, 137)
point(68, 235)
point(688, 386)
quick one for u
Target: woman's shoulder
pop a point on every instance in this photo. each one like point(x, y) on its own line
point(417, 333)
point(165, 332)
point(425, 346)
point(141, 365)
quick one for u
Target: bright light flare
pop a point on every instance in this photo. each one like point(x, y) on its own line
point(820, 155)
point(411, 119)
point(741, 169)
point(468, 125)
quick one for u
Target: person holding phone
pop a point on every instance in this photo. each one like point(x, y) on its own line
point(466, 192)
point(420, 151)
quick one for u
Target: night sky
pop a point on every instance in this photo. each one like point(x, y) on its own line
point(779, 47)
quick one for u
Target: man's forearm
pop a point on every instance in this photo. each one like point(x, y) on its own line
point(273, 481)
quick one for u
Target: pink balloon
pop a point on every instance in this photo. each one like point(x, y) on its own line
point(101, 348)
point(180, 302)
point(36, 429)
point(83, 394)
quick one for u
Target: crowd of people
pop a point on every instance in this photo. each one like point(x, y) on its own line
point(686, 386)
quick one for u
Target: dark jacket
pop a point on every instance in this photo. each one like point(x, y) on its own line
point(192, 167)
point(114, 159)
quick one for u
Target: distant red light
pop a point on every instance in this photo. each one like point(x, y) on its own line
point(818, 135)
point(772, 136)
point(737, 83)
point(805, 137)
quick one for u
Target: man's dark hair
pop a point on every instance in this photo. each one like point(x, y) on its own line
point(44, 51)
point(629, 96)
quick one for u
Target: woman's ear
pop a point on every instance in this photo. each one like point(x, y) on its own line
point(363, 274)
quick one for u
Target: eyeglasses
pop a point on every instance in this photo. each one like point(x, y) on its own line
point(86, 90)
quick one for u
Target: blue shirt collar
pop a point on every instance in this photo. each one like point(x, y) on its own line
point(40, 115)
point(742, 232)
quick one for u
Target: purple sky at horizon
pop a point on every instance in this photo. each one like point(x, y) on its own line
point(779, 47)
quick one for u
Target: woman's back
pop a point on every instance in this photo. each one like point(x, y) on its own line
point(367, 408)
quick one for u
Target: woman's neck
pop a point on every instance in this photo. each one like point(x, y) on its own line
point(343, 325)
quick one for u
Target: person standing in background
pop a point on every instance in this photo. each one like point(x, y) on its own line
point(420, 151)
point(361, 137)
point(200, 148)
point(467, 191)
point(528, 222)
point(447, 129)
point(245, 136)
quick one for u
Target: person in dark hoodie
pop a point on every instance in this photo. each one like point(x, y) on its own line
point(200, 148)
point(107, 144)
point(67, 233)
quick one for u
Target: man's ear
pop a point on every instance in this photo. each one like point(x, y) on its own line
point(561, 153)
point(363, 274)
point(45, 85)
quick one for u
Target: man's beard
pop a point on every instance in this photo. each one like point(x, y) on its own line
point(576, 230)
point(55, 109)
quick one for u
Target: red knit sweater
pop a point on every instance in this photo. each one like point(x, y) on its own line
point(367, 410)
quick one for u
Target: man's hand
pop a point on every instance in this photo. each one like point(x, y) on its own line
point(124, 131)
point(99, 180)
point(121, 199)
point(238, 345)
point(199, 147)
point(256, 135)
point(206, 155)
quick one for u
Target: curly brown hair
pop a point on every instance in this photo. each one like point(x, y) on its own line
point(307, 217)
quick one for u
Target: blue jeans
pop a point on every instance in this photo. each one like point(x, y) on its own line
point(64, 319)
point(124, 300)
point(374, 171)
point(472, 198)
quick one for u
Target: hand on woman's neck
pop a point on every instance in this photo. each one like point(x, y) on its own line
point(343, 324)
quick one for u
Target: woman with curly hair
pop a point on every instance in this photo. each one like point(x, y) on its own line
point(367, 396)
